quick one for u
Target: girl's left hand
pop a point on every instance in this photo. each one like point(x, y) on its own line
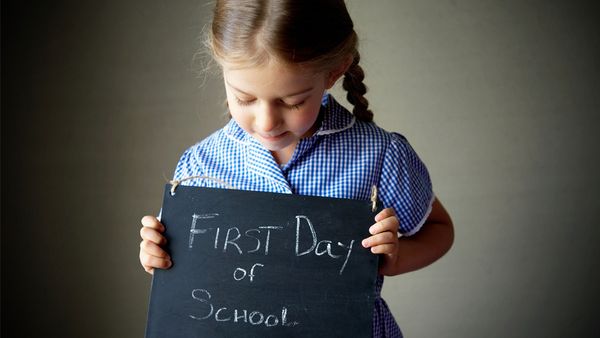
point(384, 239)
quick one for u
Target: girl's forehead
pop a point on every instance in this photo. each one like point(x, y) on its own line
point(270, 74)
point(272, 65)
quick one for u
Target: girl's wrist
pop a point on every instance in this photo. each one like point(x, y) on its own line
point(390, 264)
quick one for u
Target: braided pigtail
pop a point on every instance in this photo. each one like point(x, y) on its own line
point(353, 84)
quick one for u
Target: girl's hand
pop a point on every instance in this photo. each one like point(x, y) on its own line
point(384, 240)
point(151, 254)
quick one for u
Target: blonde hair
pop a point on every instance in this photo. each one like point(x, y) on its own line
point(318, 34)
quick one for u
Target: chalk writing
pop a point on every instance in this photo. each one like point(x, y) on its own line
point(233, 237)
point(194, 231)
point(319, 247)
point(225, 314)
point(251, 240)
point(239, 273)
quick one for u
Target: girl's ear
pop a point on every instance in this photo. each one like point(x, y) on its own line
point(338, 72)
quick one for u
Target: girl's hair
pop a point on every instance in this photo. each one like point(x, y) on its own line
point(318, 34)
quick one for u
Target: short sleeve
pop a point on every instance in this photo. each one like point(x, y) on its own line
point(405, 185)
point(197, 168)
point(188, 165)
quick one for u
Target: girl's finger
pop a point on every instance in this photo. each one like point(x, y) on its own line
point(152, 249)
point(387, 224)
point(386, 237)
point(149, 261)
point(152, 235)
point(385, 213)
point(153, 223)
point(384, 249)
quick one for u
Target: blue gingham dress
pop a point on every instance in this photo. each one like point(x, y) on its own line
point(343, 159)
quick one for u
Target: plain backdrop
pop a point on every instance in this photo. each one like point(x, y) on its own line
point(499, 98)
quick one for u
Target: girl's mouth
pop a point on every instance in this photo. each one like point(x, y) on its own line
point(272, 137)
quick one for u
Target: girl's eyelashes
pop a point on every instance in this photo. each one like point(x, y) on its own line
point(293, 106)
point(243, 102)
point(287, 105)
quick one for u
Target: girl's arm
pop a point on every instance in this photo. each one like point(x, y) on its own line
point(405, 254)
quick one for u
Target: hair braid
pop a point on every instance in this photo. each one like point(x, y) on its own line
point(353, 84)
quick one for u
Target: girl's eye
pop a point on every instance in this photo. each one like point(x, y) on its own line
point(293, 106)
point(249, 102)
point(243, 102)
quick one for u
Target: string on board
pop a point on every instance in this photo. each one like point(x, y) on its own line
point(374, 198)
point(176, 183)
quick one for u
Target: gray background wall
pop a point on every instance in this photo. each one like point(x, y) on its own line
point(500, 99)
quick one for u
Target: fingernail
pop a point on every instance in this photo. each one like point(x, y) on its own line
point(365, 243)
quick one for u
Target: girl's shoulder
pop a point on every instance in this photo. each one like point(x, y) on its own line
point(341, 123)
point(219, 151)
point(223, 140)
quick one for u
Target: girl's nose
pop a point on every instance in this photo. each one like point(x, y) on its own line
point(267, 118)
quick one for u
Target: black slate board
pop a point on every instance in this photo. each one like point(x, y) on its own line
point(313, 279)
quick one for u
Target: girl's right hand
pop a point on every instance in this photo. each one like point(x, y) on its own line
point(152, 255)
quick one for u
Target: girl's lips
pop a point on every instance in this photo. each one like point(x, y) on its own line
point(272, 137)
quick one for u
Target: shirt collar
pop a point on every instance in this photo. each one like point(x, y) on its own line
point(336, 118)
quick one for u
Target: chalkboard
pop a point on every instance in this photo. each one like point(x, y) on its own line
point(255, 264)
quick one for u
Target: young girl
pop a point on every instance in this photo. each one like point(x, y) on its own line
point(287, 135)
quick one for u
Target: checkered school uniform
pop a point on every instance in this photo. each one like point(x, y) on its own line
point(343, 159)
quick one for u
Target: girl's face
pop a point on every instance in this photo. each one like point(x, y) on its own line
point(276, 104)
